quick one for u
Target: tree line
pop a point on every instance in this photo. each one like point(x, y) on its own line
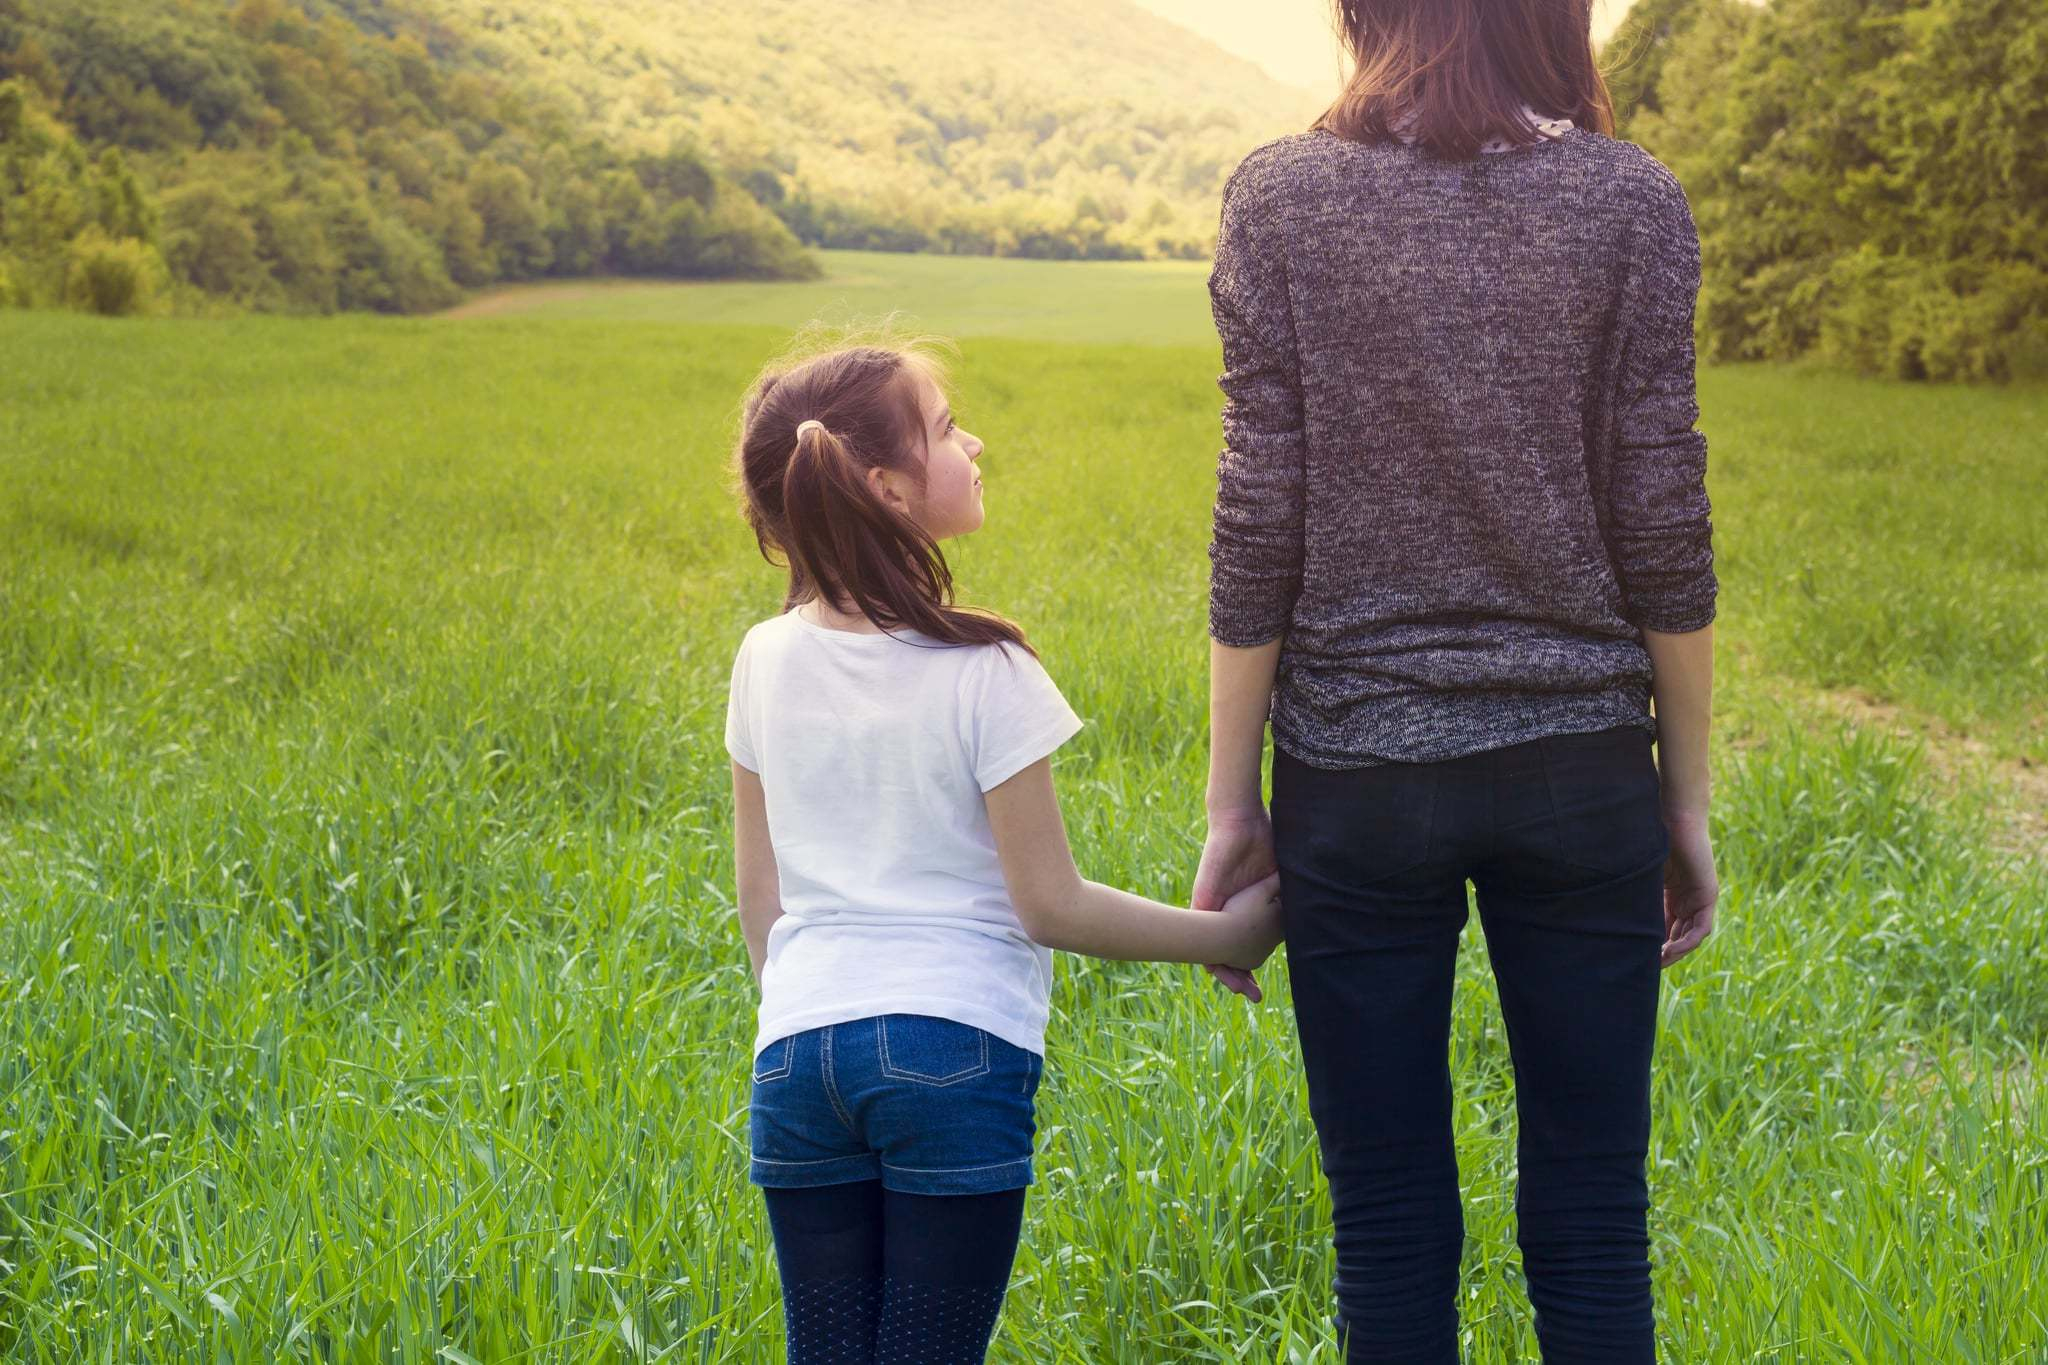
point(1870, 177)
point(198, 156)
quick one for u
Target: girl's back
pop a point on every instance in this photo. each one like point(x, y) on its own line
point(874, 750)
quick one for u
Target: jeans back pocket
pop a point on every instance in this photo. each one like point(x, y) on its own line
point(927, 1051)
point(1605, 798)
point(773, 1062)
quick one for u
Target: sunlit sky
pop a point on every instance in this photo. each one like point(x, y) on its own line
point(1292, 39)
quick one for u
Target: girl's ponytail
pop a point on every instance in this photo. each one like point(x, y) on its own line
point(811, 436)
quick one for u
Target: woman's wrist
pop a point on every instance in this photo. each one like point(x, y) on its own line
point(1685, 810)
point(1236, 808)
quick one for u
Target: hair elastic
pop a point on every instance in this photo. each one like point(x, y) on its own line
point(802, 427)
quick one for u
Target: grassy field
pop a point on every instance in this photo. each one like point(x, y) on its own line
point(1138, 303)
point(370, 987)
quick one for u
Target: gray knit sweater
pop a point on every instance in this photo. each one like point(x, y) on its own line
point(1460, 473)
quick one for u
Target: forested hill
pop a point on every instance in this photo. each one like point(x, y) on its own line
point(314, 155)
point(1035, 127)
point(268, 155)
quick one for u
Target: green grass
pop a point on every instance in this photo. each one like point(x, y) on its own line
point(1139, 303)
point(370, 986)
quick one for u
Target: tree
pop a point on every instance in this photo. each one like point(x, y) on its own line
point(1868, 180)
point(1635, 53)
point(514, 235)
point(209, 241)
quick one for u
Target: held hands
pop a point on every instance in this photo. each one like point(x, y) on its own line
point(1256, 912)
point(1236, 858)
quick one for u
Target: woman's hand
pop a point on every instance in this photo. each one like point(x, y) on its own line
point(1237, 854)
point(1690, 886)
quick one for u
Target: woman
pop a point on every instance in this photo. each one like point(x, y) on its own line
point(1461, 544)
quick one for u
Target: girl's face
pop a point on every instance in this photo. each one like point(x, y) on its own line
point(950, 502)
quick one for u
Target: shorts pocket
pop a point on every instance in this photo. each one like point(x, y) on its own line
point(772, 1063)
point(928, 1051)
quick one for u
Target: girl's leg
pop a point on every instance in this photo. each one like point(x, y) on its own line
point(828, 1242)
point(1374, 901)
point(946, 1264)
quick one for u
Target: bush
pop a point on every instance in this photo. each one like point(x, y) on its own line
point(1927, 319)
point(112, 276)
point(7, 299)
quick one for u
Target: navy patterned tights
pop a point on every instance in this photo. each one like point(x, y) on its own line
point(874, 1277)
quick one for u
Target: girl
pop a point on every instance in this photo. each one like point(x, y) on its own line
point(903, 872)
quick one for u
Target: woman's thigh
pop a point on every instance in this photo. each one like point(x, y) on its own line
point(1374, 904)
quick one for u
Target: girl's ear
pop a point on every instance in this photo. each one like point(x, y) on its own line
point(891, 486)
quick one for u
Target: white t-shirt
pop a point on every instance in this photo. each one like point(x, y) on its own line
point(874, 752)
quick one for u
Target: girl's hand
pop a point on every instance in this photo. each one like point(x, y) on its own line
point(1238, 852)
point(1255, 916)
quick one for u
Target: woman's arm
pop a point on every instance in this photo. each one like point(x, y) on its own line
point(1060, 910)
point(1240, 695)
point(1662, 533)
point(1255, 549)
point(1682, 687)
point(760, 888)
point(1239, 848)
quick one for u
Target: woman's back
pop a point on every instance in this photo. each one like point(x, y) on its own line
point(1462, 474)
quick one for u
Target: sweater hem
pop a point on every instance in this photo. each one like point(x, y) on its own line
point(1331, 755)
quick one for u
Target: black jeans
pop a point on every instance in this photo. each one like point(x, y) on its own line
point(1565, 841)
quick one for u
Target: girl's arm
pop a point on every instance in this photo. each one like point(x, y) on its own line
point(1060, 910)
point(760, 890)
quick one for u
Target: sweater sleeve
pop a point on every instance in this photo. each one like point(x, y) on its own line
point(1661, 535)
point(1255, 552)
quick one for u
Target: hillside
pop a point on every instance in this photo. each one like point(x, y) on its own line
point(323, 155)
point(1018, 127)
point(196, 155)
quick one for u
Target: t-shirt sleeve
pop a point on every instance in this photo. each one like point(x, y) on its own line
point(1016, 716)
point(739, 740)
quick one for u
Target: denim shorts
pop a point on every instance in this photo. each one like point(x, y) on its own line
point(925, 1105)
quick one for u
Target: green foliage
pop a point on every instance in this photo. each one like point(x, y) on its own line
point(305, 163)
point(1635, 54)
point(73, 226)
point(112, 276)
point(1066, 129)
point(1871, 180)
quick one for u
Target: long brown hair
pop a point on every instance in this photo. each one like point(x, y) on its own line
point(809, 500)
point(1463, 69)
